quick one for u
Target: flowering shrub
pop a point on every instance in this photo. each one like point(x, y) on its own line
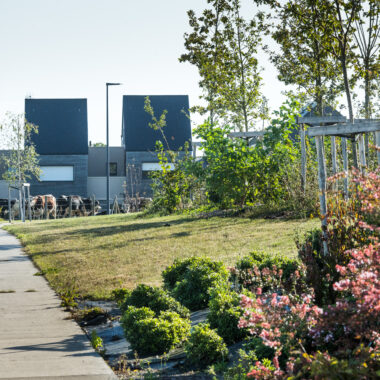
point(282, 322)
point(350, 224)
point(269, 272)
point(355, 317)
point(341, 341)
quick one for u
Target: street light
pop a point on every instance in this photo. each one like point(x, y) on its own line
point(108, 150)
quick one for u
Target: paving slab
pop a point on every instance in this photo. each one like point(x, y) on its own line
point(38, 340)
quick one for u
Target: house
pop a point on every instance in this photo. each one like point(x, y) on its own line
point(70, 166)
point(139, 139)
point(62, 143)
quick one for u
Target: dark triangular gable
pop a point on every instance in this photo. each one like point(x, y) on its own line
point(62, 125)
point(139, 137)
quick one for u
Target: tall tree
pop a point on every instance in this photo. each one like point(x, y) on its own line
point(304, 59)
point(22, 159)
point(223, 46)
point(205, 46)
point(336, 31)
point(367, 36)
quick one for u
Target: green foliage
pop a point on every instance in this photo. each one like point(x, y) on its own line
point(225, 312)
point(120, 294)
point(235, 174)
point(190, 280)
point(155, 299)
point(359, 364)
point(148, 334)
point(86, 315)
point(68, 296)
point(172, 186)
point(205, 346)
point(96, 342)
point(22, 161)
point(223, 45)
point(229, 172)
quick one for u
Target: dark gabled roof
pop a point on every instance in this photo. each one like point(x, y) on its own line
point(136, 133)
point(62, 125)
point(311, 110)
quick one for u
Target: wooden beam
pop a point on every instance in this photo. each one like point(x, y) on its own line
point(345, 166)
point(246, 135)
point(322, 190)
point(344, 129)
point(333, 160)
point(303, 157)
point(316, 120)
point(362, 157)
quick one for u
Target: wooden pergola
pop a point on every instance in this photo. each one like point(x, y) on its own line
point(335, 127)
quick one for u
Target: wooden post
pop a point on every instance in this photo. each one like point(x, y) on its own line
point(377, 136)
point(70, 206)
point(93, 205)
point(29, 208)
point(46, 210)
point(303, 157)
point(354, 152)
point(333, 160)
point(345, 166)
point(9, 205)
point(322, 189)
point(23, 203)
point(362, 158)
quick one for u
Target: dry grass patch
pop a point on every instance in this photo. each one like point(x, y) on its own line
point(98, 254)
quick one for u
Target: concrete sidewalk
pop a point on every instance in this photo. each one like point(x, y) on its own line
point(36, 339)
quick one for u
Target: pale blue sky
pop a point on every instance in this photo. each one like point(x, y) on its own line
point(71, 48)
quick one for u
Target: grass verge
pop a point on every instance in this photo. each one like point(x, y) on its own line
point(98, 254)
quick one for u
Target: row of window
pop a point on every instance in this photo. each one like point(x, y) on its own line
point(66, 173)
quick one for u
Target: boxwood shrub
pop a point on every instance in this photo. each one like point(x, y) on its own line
point(205, 346)
point(151, 335)
point(155, 298)
point(190, 280)
point(225, 312)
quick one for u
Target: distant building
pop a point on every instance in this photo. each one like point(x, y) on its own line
point(139, 139)
point(69, 166)
point(62, 143)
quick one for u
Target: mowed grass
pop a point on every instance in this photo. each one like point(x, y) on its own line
point(98, 254)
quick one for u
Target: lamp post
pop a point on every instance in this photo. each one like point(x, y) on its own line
point(108, 149)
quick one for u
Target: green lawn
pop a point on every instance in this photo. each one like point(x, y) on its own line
point(98, 254)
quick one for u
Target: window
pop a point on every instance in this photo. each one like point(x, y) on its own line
point(113, 168)
point(57, 173)
point(148, 167)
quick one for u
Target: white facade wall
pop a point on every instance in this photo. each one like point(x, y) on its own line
point(98, 186)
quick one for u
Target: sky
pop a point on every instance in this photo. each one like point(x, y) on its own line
point(71, 48)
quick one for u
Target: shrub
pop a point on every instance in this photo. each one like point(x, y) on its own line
point(120, 294)
point(225, 312)
point(150, 335)
point(269, 272)
point(205, 346)
point(192, 279)
point(155, 298)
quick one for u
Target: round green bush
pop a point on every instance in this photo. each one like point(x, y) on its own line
point(176, 272)
point(150, 335)
point(205, 346)
point(225, 312)
point(194, 278)
point(156, 299)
